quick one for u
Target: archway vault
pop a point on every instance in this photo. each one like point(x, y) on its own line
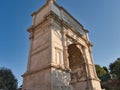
point(76, 64)
point(75, 56)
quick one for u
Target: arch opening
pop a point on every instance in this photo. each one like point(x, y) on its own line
point(76, 63)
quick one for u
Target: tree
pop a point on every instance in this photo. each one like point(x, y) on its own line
point(7, 79)
point(115, 68)
point(106, 69)
point(100, 71)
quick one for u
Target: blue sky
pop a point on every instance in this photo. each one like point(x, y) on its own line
point(100, 17)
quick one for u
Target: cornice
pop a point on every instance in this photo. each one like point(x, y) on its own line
point(30, 29)
point(36, 71)
point(87, 31)
point(52, 15)
point(46, 68)
point(47, 17)
point(89, 44)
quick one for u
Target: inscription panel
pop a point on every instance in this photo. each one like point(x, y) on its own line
point(72, 23)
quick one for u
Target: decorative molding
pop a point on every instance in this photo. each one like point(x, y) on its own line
point(46, 68)
point(36, 71)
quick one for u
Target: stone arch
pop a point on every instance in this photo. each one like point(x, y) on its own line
point(76, 63)
point(75, 56)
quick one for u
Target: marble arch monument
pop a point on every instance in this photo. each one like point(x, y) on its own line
point(60, 56)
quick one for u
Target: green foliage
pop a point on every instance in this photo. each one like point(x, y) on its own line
point(115, 68)
point(106, 77)
point(100, 71)
point(7, 79)
point(106, 69)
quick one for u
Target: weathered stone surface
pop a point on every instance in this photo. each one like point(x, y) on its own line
point(60, 55)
